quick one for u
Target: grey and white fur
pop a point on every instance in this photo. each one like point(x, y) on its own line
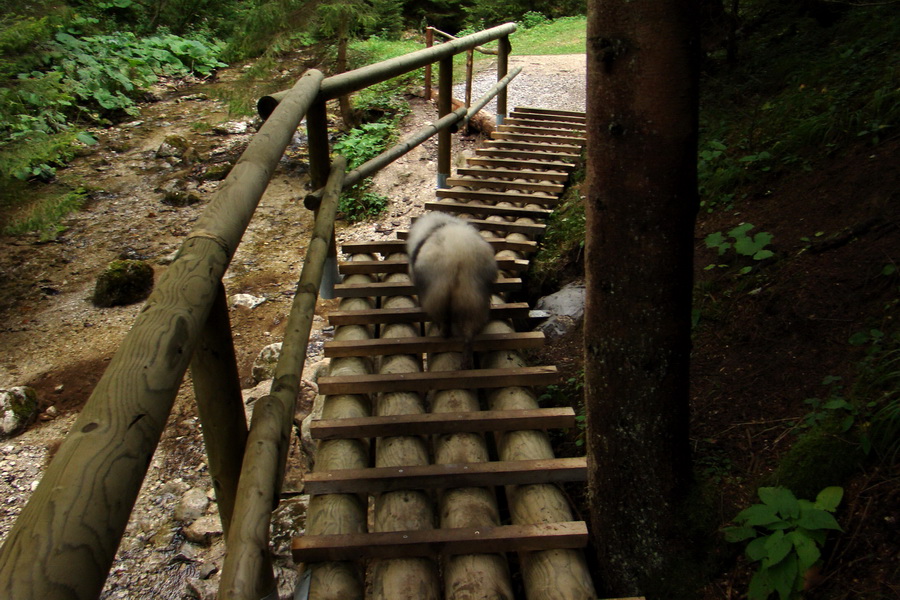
point(453, 268)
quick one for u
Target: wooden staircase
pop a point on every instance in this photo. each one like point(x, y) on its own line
point(430, 481)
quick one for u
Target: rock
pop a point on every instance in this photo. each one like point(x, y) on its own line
point(217, 172)
point(566, 308)
point(192, 505)
point(264, 366)
point(180, 199)
point(203, 530)
point(173, 145)
point(232, 128)
point(123, 282)
point(18, 407)
point(246, 300)
point(202, 589)
point(206, 570)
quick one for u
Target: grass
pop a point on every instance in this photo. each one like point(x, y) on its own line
point(45, 214)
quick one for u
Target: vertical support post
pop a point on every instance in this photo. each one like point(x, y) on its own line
point(470, 61)
point(220, 405)
point(319, 168)
point(503, 51)
point(429, 42)
point(445, 94)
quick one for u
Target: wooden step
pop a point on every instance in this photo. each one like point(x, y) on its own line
point(394, 246)
point(542, 130)
point(529, 122)
point(478, 172)
point(549, 114)
point(379, 480)
point(433, 344)
point(532, 229)
point(444, 380)
point(529, 165)
point(370, 267)
point(536, 138)
point(532, 147)
point(398, 288)
point(439, 542)
point(512, 310)
point(486, 209)
point(525, 155)
point(490, 196)
point(503, 184)
point(443, 423)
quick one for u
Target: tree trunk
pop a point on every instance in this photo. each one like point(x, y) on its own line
point(347, 113)
point(641, 207)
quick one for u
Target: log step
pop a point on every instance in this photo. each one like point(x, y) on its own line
point(503, 184)
point(538, 138)
point(369, 267)
point(487, 209)
point(542, 130)
point(513, 310)
point(379, 480)
point(442, 380)
point(395, 246)
point(490, 196)
point(431, 344)
point(440, 542)
point(443, 423)
point(539, 113)
point(398, 288)
point(528, 121)
point(513, 174)
point(526, 155)
point(502, 144)
point(528, 165)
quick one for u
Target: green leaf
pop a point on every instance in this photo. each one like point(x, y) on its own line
point(741, 230)
point(817, 519)
point(777, 547)
point(756, 550)
point(781, 499)
point(85, 138)
point(763, 255)
point(807, 552)
point(758, 514)
point(761, 586)
point(738, 534)
point(829, 498)
point(784, 576)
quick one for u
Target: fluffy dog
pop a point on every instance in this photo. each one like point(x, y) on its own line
point(453, 268)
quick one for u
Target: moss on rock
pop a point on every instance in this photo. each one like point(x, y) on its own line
point(123, 282)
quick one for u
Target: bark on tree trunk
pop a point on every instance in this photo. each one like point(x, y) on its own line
point(347, 113)
point(641, 207)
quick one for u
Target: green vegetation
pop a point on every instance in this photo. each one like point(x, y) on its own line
point(785, 536)
point(123, 282)
point(45, 214)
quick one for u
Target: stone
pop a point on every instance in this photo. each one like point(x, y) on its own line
point(265, 363)
point(18, 408)
point(123, 282)
point(246, 300)
point(192, 505)
point(204, 530)
point(564, 308)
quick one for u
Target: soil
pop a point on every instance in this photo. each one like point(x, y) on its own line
point(763, 343)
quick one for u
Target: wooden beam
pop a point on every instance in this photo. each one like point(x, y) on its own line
point(525, 154)
point(544, 137)
point(440, 542)
point(487, 209)
point(490, 196)
point(509, 163)
point(514, 310)
point(394, 246)
point(532, 122)
point(513, 173)
point(402, 266)
point(532, 229)
point(503, 144)
point(443, 380)
point(442, 423)
point(417, 477)
point(418, 345)
point(542, 130)
point(393, 288)
point(505, 184)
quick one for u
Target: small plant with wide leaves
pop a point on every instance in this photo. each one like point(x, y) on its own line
point(784, 536)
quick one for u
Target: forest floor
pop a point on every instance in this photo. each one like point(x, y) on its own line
point(763, 343)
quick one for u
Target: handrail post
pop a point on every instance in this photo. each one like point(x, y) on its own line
point(429, 42)
point(445, 94)
point(319, 168)
point(470, 62)
point(220, 405)
point(504, 49)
